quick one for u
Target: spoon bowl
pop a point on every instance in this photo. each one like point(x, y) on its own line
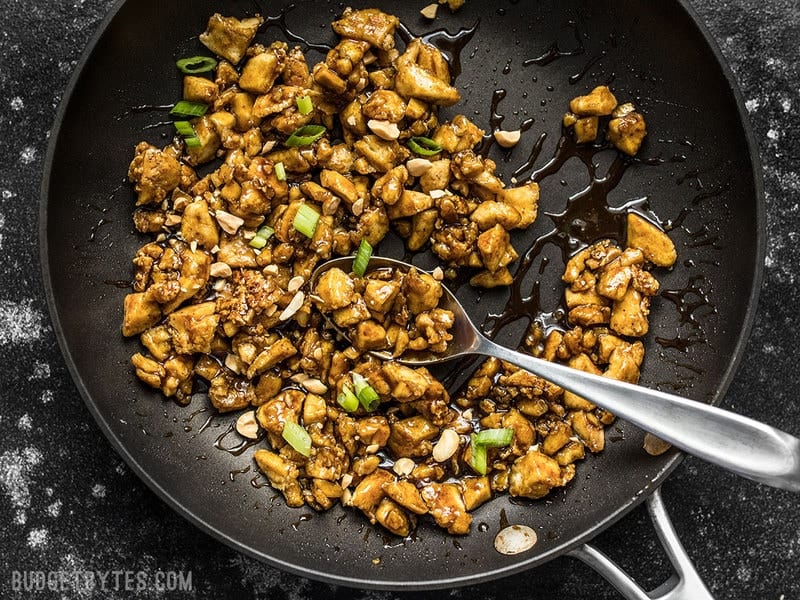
point(739, 444)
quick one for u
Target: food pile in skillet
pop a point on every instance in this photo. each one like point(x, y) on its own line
point(317, 161)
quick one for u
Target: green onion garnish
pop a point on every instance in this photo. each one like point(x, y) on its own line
point(266, 232)
point(297, 437)
point(186, 109)
point(367, 396)
point(478, 460)
point(304, 105)
point(305, 136)
point(496, 438)
point(258, 242)
point(347, 399)
point(192, 141)
point(196, 64)
point(423, 146)
point(261, 237)
point(280, 171)
point(184, 128)
point(306, 219)
point(362, 258)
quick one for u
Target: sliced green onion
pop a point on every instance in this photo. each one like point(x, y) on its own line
point(196, 64)
point(266, 232)
point(260, 238)
point(258, 242)
point(305, 136)
point(304, 105)
point(347, 399)
point(280, 171)
point(306, 219)
point(478, 458)
point(367, 395)
point(362, 258)
point(184, 128)
point(496, 438)
point(192, 141)
point(423, 146)
point(297, 437)
point(184, 108)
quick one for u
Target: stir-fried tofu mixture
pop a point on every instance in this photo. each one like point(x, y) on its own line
point(301, 163)
point(387, 309)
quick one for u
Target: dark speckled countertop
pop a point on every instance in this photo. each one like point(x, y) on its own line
point(69, 503)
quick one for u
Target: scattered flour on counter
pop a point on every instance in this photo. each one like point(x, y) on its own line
point(41, 370)
point(25, 423)
point(752, 105)
point(99, 490)
point(15, 478)
point(54, 509)
point(37, 538)
point(20, 322)
point(47, 396)
point(17, 104)
point(28, 155)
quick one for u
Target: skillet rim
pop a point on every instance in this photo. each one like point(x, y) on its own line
point(376, 583)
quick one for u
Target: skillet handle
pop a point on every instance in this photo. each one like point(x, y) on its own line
point(685, 584)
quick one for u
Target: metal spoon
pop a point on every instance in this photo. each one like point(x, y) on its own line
point(736, 443)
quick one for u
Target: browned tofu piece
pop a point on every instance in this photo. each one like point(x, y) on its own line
point(370, 335)
point(629, 315)
point(422, 291)
point(261, 70)
point(197, 225)
point(352, 314)
point(656, 245)
point(525, 199)
point(535, 474)
point(193, 327)
point(392, 517)
point(140, 312)
point(369, 25)
point(492, 246)
point(599, 102)
point(229, 37)
point(199, 89)
point(380, 295)
point(335, 290)
point(446, 505)
point(627, 129)
point(413, 80)
point(369, 492)
point(406, 495)
point(411, 437)
point(154, 173)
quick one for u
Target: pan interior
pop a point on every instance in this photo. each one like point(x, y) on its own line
point(530, 58)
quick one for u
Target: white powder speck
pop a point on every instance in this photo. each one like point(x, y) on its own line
point(37, 538)
point(99, 490)
point(28, 155)
point(41, 370)
point(752, 105)
point(15, 470)
point(786, 104)
point(20, 322)
point(17, 103)
point(47, 396)
point(54, 509)
point(20, 518)
point(25, 423)
point(773, 134)
point(7, 194)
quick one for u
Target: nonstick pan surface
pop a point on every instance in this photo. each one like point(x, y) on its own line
point(524, 61)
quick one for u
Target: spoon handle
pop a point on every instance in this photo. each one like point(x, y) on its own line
point(734, 442)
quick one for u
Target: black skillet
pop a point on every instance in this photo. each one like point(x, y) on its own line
point(697, 174)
